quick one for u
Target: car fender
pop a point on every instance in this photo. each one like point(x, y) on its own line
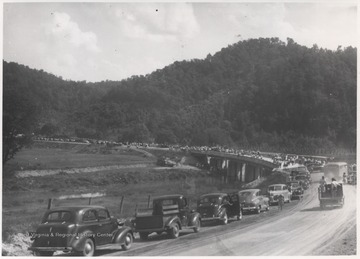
point(193, 218)
point(173, 220)
point(79, 240)
point(120, 234)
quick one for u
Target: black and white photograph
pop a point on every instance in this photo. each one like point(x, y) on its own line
point(138, 129)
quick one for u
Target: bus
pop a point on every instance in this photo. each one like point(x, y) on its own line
point(335, 170)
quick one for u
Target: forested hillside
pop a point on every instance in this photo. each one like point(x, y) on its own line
point(261, 93)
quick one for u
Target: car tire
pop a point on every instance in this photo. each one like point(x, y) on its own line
point(258, 210)
point(174, 231)
point(144, 235)
point(197, 225)
point(268, 207)
point(128, 241)
point(89, 248)
point(225, 219)
point(43, 253)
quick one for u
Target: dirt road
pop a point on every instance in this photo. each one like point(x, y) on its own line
point(300, 229)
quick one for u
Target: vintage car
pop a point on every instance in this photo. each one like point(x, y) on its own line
point(170, 214)
point(302, 172)
point(80, 229)
point(252, 200)
point(303, 180)
point(296, 189)
point(315, 168)
point(277, 190)
point(219, 207)
point(331, 195)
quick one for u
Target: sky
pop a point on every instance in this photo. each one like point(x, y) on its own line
point(113, 41)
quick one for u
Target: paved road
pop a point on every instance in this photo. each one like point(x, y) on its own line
point(300, 229)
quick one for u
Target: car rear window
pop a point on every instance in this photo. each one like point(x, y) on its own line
point(168, 202)
point(58, 216)
point(244, 194)
point(275, 188)
point(210, 199)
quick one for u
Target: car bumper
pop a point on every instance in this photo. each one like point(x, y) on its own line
point(272, 200)
point(150, 230)
point(250, 208)
point(52, 249)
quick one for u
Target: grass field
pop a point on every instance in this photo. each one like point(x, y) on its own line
point(25, 199)
point(55, 156)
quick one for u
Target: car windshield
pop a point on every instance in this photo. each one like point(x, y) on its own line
point(294, 184)
point(244, 194)
point(167, 202)
point(275, 188)
point(58, 216)
point(210, 199)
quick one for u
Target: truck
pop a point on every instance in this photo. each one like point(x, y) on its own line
point(170, 214)
point(331, 195)
point(336, 170)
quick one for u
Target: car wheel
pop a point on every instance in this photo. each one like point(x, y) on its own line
point(128, 241)
point(144, 235)
point(225, 219)
point(268, 207)
point(173, 232)
point(197, 225)
point(258, 210)
point(43, 253)
point(89, 248)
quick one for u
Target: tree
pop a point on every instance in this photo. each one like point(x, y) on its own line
point(19, 120)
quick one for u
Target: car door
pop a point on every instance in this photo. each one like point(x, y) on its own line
point(285, 192)
point(90, 223)
point(106, 227)
point(184, 211)
point(235, 207)
point(258, 199)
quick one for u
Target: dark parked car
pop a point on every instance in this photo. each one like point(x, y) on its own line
point(252, 200)
point(296, 189)
point(170, 214)
point(219, 207)
point(80, 230)
point(303, 180)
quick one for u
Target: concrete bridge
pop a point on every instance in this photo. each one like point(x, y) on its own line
point(235, 168)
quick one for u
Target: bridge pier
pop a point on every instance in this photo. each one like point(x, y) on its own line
point(234, 169)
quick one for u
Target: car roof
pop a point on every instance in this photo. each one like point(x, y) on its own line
point(336, 163)
point(278, 184)
point(76, 208)
point(250, 190)
point(171, 196)
point(214, 194)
